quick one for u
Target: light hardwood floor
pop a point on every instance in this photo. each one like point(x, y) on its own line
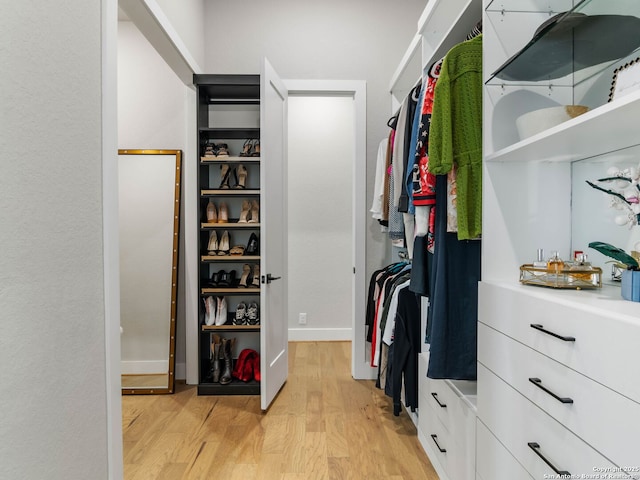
point(322, 425)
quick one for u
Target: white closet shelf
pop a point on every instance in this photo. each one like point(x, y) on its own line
point(444, 24)
point(581, 137)
point(229, 159)
point(232, 224)
point(230, 192)
point(230, 258)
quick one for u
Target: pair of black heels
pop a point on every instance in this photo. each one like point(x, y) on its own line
point(223, 279)
point(239, 176)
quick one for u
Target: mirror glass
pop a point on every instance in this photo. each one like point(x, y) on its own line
point(594, 213)
point(149, 220)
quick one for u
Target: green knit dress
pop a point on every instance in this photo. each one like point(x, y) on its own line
point(455, 136)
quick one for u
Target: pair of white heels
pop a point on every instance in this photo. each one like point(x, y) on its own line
point(218, 248)
point(215, 315)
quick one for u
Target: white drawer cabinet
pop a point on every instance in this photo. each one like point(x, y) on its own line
point(530, 434)
point(494, 461)
point(446, 424)
point(587, 408)
point(604, 347)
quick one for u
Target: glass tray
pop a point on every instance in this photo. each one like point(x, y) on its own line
point(572, 278)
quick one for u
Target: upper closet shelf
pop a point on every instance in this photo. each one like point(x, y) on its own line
point(407, 74)
point(582, 137)
point(444, 24)
point(577, 44)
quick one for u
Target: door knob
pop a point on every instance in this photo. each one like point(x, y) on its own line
point(269, 278)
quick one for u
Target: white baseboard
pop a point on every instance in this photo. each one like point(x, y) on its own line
point(319, 334)
point(181, 371)
point(143, 367)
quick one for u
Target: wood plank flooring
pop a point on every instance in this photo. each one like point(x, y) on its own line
point(322, 425)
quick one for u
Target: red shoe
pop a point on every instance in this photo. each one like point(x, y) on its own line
point(238, 371)
point(256, 367)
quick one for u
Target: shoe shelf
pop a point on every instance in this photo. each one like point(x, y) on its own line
point(231, 290)
point(215, 160)
point(233, 223)
point(234, 131)
point(230, 328)
point(229, 258)
point(230, 133)
point(231, 192)
point(236, 387)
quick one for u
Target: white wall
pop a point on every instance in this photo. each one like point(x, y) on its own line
point(321, 158)
point(53, 400)
point(332, 39)
point(152, 114)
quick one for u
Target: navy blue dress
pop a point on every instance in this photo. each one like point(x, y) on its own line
point(453, 309)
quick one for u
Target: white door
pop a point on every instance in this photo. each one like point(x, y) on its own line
point(273, 235)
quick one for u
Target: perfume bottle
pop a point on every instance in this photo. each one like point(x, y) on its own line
point(555, 263)
point(581, 264)
point(540, 261)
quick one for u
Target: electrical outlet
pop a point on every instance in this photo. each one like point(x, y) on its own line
point(302, 319)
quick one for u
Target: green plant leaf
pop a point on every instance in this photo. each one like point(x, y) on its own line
point(616, 253)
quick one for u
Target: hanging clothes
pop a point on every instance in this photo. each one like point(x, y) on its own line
point(406, 347)
point(453, 310)
point(379, 182)
point(400, 168)
point(455, 136)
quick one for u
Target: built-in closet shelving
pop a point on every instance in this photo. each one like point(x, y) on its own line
point(228, 113)
point(578, 345)
point(446, 416)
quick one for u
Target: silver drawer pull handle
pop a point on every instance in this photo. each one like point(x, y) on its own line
point(536, 448)
point(541, 328)
point(435, 440)
point(538, 383)
point(435, 397)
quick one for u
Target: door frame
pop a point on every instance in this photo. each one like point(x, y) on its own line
point(357, 89)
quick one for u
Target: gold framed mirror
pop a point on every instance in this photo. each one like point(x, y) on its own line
point(149, 194)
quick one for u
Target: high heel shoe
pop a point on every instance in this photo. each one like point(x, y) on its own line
point(253, 245)
point(225, 172)
point(209, 150)
point(223, 150)
point(241, 177)
point(255, 282)
point(223, 248)
point(246, 149)
point(223, 213)
point(212, 247)
point(256, 149)
point(246, 206)
point(212, 213)
point(255, 212)
point(246, 273)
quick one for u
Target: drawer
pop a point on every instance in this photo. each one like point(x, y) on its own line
point(441, 447)
point(605, 346)
point(596, 412)
point(517, 423)
point(494, 461)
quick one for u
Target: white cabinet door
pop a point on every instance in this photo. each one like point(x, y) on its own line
point(273, 235)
